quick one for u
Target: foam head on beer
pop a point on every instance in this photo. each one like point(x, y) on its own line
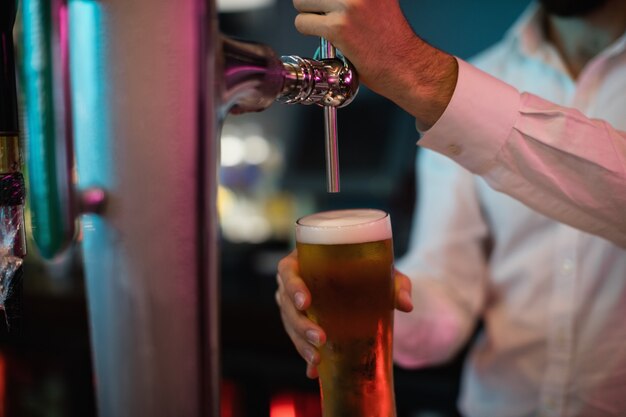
point(343, 227)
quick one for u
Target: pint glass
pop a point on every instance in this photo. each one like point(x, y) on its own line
point(346, 260)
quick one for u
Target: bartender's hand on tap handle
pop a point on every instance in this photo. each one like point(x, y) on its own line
point(389, 57)
point(293, 298)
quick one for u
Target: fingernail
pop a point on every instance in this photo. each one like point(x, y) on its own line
point(313, 337)
point(309, 356)
point(299, 299)
point(407, 299)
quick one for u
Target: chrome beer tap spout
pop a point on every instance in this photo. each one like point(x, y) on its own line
point(255, 77)
point(329, 82)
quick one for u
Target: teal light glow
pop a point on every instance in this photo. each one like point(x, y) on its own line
point(41, 131)
point(93, 154)
point(89, 94)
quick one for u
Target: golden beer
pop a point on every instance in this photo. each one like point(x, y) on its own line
point(346, 260)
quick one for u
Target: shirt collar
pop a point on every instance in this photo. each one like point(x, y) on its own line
point(527, 33)
point(616, 47)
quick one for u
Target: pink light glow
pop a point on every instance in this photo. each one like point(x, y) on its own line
point(229, 400)
point(283, 406)
point(3, 385)
point(295, 404)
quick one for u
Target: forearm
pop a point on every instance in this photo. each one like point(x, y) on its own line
point(421, 80)
point(435, 330)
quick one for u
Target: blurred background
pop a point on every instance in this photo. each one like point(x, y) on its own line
point(272, 171)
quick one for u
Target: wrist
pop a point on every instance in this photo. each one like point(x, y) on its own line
point(425, 83)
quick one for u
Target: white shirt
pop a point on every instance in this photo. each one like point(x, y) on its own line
point(552, 298)
point(568, 163)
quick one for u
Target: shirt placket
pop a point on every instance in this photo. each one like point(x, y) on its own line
point(560, 326)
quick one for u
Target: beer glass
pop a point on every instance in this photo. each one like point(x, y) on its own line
point(346, 260)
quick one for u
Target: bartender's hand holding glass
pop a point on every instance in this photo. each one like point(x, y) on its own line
point(293, 298)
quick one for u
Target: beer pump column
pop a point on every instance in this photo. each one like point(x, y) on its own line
point(138, 92)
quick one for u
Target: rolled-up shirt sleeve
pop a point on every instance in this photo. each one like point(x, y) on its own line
point(554, 159)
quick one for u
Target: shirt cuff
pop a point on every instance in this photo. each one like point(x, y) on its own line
point(477, 121)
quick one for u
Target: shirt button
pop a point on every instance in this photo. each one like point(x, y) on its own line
point(454, 149)
point(567, 266)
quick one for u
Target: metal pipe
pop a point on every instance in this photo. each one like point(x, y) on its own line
point(327, 51)
point(145, 129)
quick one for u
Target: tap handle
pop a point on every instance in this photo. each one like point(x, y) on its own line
point(327, 51)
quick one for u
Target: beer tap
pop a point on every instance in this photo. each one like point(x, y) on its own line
point(254, 77)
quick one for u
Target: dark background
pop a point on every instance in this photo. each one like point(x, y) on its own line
point(46, 370)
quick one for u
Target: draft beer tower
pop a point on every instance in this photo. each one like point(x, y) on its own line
point(137, 93)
